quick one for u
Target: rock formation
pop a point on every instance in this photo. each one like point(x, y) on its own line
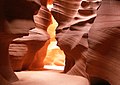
point(74, 21)
point(35, 41)
point(13, 16)
point(23, 50)
point(103, 57)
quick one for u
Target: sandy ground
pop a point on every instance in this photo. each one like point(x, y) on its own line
point(48, 78)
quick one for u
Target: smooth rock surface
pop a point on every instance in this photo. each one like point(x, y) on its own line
point(48, 78)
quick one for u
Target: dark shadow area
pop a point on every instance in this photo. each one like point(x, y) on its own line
point(98, 81)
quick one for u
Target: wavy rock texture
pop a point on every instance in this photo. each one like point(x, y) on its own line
point(104, 43)
point(17, 52)
point(74, 18)
point(23, 54)
point(34, 41)
point(104, 50)
point(43, 18)
point(10, 12)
